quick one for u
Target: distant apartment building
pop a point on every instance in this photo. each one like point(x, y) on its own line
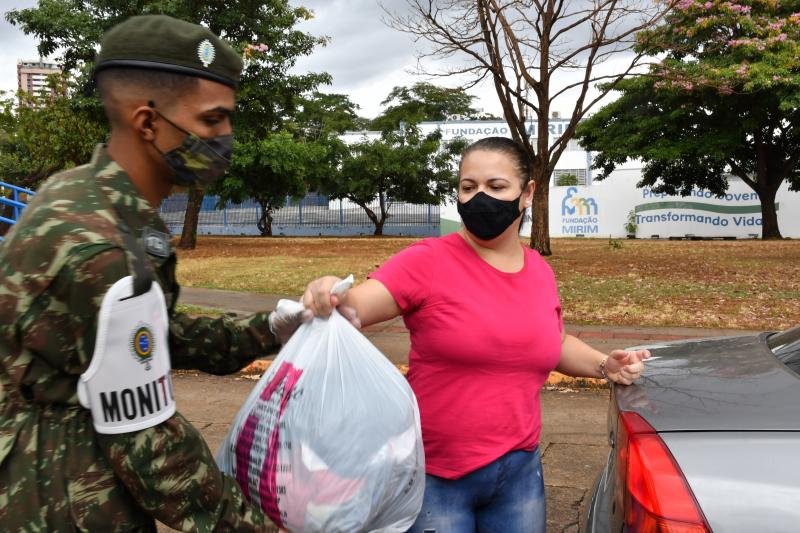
point(32, 75)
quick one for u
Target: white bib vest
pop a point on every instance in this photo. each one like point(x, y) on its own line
point(128, 385)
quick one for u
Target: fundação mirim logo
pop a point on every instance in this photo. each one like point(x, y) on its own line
point(579, 214)
point(576, 205)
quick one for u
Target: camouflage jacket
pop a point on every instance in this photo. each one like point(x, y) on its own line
point(56, 472)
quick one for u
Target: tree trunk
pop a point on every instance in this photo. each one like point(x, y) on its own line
point(769, 215)
point(265, 220)
point(379, 223)
point(540, 216)
point(540, 210)
point(190, 219)
point(540, 219)
point(371, 215)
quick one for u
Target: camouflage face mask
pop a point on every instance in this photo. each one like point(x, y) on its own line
point(198, 161)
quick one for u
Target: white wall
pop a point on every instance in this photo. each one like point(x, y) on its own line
point(601, 210)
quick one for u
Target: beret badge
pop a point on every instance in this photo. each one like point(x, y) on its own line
point(206, 52)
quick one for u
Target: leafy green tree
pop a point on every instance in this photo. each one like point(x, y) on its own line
point(270, 169)
point(422, 101)
point(42, 134)
point(271, 166)
point(395, 168)
point(321, 114)
point(725, 99)
point(74, 27)
point(268, 103)
point(264, 30)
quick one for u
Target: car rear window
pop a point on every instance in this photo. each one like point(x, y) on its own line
point(786, 347)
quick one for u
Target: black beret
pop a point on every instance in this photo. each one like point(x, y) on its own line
point(164, 43)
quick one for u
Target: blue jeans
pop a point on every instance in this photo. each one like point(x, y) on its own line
point(505, 496)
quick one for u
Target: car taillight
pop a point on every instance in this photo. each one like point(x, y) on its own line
point(650, 488)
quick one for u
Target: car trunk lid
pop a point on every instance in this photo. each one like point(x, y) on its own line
point(725, 384)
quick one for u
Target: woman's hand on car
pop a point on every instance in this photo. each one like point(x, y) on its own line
point(625, 366)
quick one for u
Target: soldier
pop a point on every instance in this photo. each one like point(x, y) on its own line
point(88, 277)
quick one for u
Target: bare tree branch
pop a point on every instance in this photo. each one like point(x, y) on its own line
point(525, 45)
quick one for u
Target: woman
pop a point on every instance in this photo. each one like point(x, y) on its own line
point(486, 330)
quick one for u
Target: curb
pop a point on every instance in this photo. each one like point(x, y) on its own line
point(555, 380)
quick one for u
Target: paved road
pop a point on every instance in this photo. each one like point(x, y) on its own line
point(573, 442)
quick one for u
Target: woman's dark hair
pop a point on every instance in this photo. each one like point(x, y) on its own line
point(509, 147)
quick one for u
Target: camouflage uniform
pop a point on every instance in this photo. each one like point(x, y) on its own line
point(56, 472)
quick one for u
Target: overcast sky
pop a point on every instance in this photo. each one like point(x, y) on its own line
point(365, 57)
point(14, 45)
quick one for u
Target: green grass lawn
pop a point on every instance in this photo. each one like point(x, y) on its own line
point(729, 284)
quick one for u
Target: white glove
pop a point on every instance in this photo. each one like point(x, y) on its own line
point(286, 318)
point(288, 314)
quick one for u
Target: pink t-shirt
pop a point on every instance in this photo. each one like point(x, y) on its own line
point(482, 345)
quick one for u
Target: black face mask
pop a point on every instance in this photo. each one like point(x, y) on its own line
point(487, 217)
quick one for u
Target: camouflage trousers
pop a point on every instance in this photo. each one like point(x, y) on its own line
point(55, 476)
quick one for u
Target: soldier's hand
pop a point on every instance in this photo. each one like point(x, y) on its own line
point(285, 319)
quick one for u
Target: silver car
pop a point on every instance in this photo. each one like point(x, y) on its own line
point(708, 439)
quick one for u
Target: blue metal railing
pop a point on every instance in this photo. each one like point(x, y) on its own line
point(14, 201)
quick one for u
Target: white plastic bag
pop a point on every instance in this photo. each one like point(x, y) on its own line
point(329, 439)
